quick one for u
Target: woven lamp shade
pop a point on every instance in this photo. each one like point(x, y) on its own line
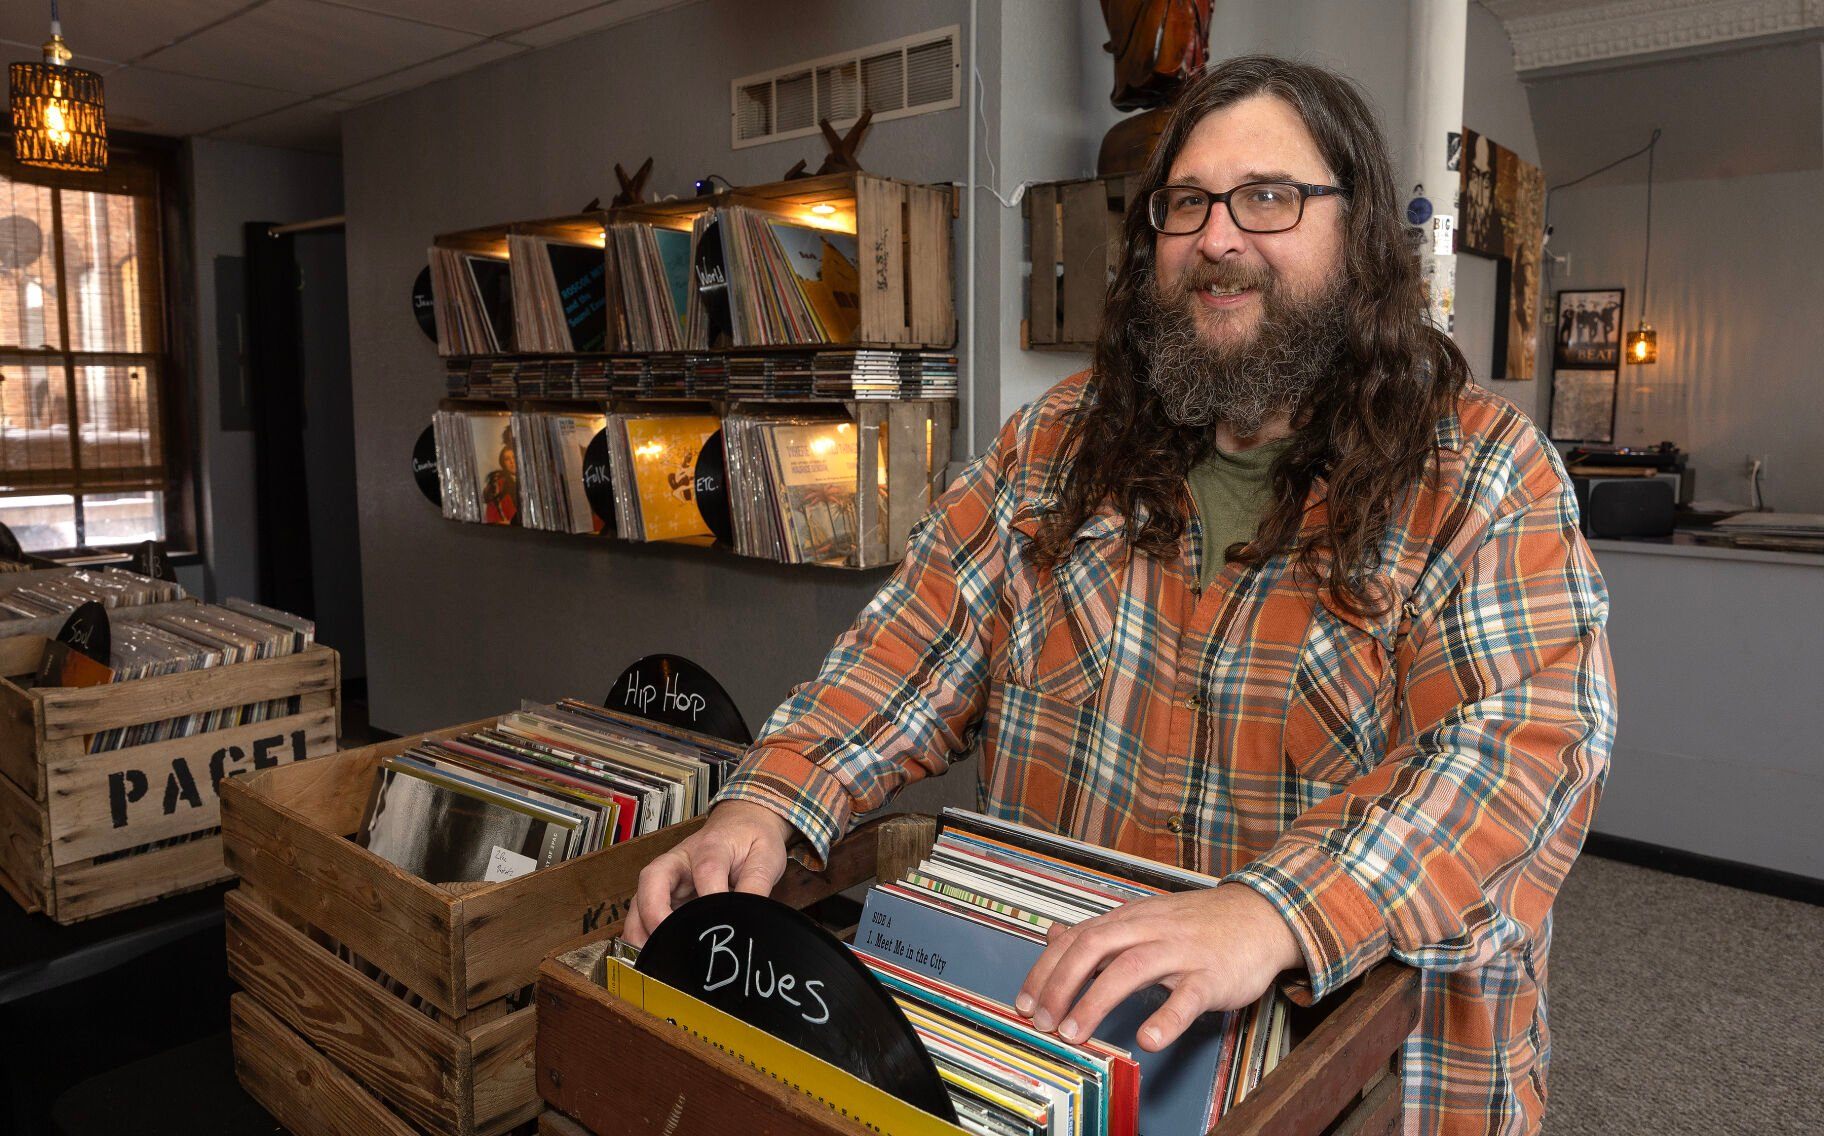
point(59, 119)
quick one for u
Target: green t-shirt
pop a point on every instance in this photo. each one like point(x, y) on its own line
point(1231, 495)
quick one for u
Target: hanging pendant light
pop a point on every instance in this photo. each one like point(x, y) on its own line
point(1642, 345)
point(59, 118)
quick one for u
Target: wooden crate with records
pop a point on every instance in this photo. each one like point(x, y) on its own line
point(108, 793)
point(1338, 1077)
point(402, 1001)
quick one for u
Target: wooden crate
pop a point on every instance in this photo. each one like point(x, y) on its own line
point(903, 245)
point(1074, 245)
point(448, 1050)
point(62, 808)
point(1340, 1079)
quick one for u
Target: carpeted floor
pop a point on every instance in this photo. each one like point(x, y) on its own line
point(1679, 1006)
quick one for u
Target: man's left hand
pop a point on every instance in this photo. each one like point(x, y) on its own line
point(1214, 950)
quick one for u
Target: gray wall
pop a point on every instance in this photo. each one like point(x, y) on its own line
point(231, 183)
point(464, 620)
point(1735, 297)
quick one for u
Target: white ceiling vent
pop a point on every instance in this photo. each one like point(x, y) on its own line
point(909, 76)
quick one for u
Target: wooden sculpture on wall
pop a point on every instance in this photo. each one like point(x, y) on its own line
point(1159, 46)
point(841, 159)
point(633, 189)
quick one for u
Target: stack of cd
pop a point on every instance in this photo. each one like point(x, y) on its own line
point(666, 376)
point(456, 377)
point(560, 379)
point(631, 375)
point(529, 378)
point(706, 376)
point(774, 374)
point(885, 374)
point(592, 378)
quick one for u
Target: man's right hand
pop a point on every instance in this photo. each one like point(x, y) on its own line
point(740, 847)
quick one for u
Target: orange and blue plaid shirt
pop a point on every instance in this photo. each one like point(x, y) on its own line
point(1414, 785)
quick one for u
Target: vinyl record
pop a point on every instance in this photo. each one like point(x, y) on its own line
point(712, 285)
point(88, 630)
point(673, 690)
point(712, 489)
point(424, 466)
point(9, 545)
point(770, 966)
point(423, 305)
point(598, 483)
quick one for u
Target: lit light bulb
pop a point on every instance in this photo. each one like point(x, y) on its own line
point(823, 209)
point(56, 124)
point(1640, 349)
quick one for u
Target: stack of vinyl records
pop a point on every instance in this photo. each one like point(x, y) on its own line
point(560, 295)
point(548, 452)
point(792, 487)
point(954, 939)
point(472, 301)
point(773, 374)
point(206, 636)
point(538, 787)
point(656, 289)
point(64, 593)
point(885, 374)
point(477, 468)
point(653, 470)
point(788, 283)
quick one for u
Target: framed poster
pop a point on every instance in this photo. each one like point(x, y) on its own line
point(1588, 335)
point(1583, 406)
point(1503, 218)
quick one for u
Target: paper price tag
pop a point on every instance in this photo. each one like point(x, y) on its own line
point(505, 864)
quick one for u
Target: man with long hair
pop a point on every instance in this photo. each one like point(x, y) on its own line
point(1271, 592)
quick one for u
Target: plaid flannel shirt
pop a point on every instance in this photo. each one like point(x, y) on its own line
point(1414, 785)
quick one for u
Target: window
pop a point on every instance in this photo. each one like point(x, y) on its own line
point(83, 364)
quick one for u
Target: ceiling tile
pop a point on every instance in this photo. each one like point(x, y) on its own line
point(121, 30)
point(307, 47)
point(315, 125)
point(483, 17)
point(593, 20)
point(177, 105)
point(485, 52)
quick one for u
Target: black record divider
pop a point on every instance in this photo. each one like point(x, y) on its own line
point(677, 692)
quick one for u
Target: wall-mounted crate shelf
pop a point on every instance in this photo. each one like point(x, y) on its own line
point(1074, 249)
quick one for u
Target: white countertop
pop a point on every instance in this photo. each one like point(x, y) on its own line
point(1684, 546)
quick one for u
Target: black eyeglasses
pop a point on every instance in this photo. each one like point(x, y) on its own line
point(1255, 206)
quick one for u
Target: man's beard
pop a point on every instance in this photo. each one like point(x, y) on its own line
point(1296, 344)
